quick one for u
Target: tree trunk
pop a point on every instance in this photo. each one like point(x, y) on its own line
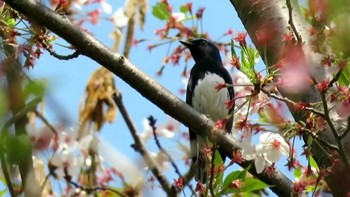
point(272, 16)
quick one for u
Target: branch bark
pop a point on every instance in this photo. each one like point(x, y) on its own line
point(17, 104)
point(145, 85)
point(275, 16)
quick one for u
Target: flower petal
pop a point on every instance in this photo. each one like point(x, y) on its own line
point(259, 164)
point(273, 156)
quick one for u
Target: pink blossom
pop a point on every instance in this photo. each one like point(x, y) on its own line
point(343, 109)
point(40, 137)
point(294, 79)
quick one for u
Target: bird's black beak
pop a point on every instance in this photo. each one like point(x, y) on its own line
point(187, 44)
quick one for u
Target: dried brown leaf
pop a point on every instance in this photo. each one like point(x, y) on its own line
point(116, 35)
point(136, 9)
point(99, 106)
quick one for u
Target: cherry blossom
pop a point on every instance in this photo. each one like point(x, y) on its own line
point(178, 16)
point(272, 146)
point(162, 160)
point(294, 79)
point(65, 140)
point(66, 163)
point(167, 130)
point(119, 161)
point(40, 137)
point(106, 7)
point(269, 150)
point(248, 148)
point(119, 19)
point(260, 163)
point(343, 109)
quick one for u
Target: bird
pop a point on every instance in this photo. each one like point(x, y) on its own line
point(206, 74)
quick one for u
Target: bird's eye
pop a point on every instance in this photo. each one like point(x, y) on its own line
point(203, 42)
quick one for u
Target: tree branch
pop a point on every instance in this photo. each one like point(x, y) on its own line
point(277, 18)
point(140, 147)
point(16, 105)
point(87, 45)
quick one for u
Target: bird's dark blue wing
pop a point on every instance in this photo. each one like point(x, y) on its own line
point(228, 80)
point(193, 138)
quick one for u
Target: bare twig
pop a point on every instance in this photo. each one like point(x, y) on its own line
point(341, 150)
point(317, 138)
point(93, 189)
point(347, 130)
point(335, 78)
point(212, 171)
point(139, 147)
point(75, 54)
point(152, 123)
point(42, 118)
point(291, 23)
point(288, 101)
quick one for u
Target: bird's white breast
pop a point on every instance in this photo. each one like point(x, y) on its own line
point(207, 100)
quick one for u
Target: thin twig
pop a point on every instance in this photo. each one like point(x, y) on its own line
point(75, 54)
point(139, 146)
point(177, 171)
point(212, 173)
point(335, 78)
point(290, 21)
point(347, 130)
point(93, 189)
point(315, 136)
point(42, 118)
point(334, 131)
point(288, 101)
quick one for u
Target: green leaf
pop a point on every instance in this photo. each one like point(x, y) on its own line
point(240, 174)
point(218, 177)
point(161, 11)
point(249, 184)
point(297, 173)
point(35, 88)
point(249, 57)
point(3, 192)
point(313, 163)
point(233, 51)
point(19, 147)
point(3, 102)
point(252, 184)
point(184, 9)
point(344, 76)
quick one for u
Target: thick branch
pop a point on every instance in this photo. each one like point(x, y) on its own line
point(275, 17)
point(16, 105)
point(144, 84)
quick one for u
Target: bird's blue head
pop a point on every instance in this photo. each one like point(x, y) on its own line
point(201, 48)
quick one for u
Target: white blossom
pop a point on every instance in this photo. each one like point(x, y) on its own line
point(272, 146)
point(178, 16)
point(166, 131)
point(119, 19)
point(106, 7)
point(260, 163)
